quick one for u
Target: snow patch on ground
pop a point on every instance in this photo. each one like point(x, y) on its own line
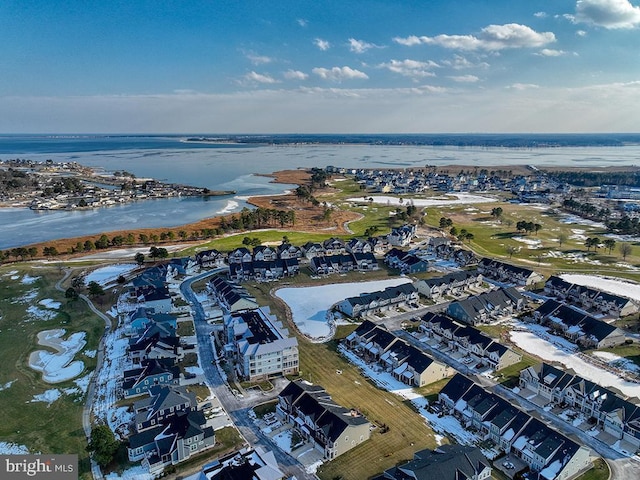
point(60, 366)
point(48, 396)
point(617, 286)
point(110, 273)
point(26, 297)
point(28, 280)
point(532, 243)
point(310, 306)
point(114, 364)
point(135, 473)
point(616, 361)
point(8, 448)
point(449, 199)
point(549, 352)
point(7, 385)
point(38, 314)
point(50, 303)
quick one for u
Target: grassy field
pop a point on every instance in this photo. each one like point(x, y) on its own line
point(54, 428)
point(407, 430)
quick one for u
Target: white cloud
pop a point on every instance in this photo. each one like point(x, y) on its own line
point(458, 62)
point(464, 78)
point(259, 59)
point(491, 38)
point(523, 86)
point(540, 14)
point(295, 75)
point(302, 22)
point(610, 14)
point(322, 44)
point(549, 52)
point(581, 33)
point(253, 77)
point(337, 74)
point(360, 46)
point(410, 68)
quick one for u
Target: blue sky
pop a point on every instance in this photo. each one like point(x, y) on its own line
point(296, 66)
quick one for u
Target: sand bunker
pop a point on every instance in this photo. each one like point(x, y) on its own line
point(60, 366)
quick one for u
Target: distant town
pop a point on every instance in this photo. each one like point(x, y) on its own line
point(52, 185)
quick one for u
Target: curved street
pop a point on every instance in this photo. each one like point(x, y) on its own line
point(237, 408)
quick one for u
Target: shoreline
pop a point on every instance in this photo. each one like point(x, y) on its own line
point(304, 222)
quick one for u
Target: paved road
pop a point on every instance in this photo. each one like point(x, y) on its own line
point(237, 408)
point(88, 406)
point(622, 467)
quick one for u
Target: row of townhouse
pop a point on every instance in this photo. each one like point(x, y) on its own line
point(590, 299)
point(469, 341)
point(406, 262)
point(488, 306)
point(230, 296)
point(369, 303)
point(343, 263)
point(259, 345)
point(264, 270)
point(451, 284)
point(617, 416)
point(332, 428)
point(331, 246)
point(550, 454)
point(453, 253)
point(577, 326)
point(245, 464)
point(168, 428)
point(405, 362)
point(509, 274)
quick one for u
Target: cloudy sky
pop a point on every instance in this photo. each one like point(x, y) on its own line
point(298, 66)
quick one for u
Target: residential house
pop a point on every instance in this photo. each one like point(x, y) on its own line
point(617, 416)
point(287, 251)
point(358, 246)
point(487, 306)
point(231, 297)
point(577, 326)
point(468, 340)
point(403, 361)
point(138, 381)
point(507, 273)
point(313, 249)
point(365, 261)
point(239, 255)
point(451, 284)
point(334, 246)
point(260, 345)
point(157, 341)
point(246, 464)
point(407, 263)
point(546, 452)
point(402, 236)
point(447, 462)
point(210, 259)
point(368, 303)
point(333, 429)
point(264, 253)
point(169, 429)
point(590, 299)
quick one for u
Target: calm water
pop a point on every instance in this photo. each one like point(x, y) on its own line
point(232, 167)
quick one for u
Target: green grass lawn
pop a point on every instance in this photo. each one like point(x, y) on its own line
point(54, 428)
